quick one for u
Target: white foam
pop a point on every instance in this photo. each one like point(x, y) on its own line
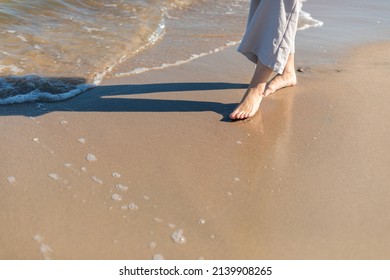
point(116, 197)
point(14, 69)
point(116, 175)
point(91, 157)
point(21, 37)
point(308, 20)
point(152, 39)
point(92, 29)
point(11, 179)
point(122, 187)
point(177, 63)
point(54, 176)
point(37, 95)
point(133, 206)
point(97, 180)
point(43, 247)
point(158, 257)
point(178, 237)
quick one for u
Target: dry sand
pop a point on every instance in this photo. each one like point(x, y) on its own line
point(306, 178)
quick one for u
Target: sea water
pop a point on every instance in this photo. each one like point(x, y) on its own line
point(52, 50)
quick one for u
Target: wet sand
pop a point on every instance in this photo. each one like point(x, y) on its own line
point(148, 166)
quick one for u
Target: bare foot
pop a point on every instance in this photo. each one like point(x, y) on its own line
point(249, 104)
point(287, 79)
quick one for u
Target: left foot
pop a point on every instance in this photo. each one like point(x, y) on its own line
point(280, 81)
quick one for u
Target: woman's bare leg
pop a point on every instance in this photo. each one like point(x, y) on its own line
point(250, 103)
point(286, 79)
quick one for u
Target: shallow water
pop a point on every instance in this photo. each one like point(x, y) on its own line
point(52, 50)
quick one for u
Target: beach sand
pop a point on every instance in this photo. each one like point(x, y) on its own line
point(148, 166)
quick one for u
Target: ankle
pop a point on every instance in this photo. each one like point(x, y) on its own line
point(288, 72)
point(258, 88)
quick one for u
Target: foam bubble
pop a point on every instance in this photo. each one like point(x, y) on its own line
point(133, 206)
point(43, 247)
point(116, 175)
point(97, 180)
point(91, 157)
point(14, 69)
point(54, 176)
point(122, 187)
point(202, 221)
point(178, 237)
point(81, 140)
point(177, 63)
point(116, 197)
point(33, 88)
point(306, 21)
point(158, 257)
point(11, 179)
point(152, 245)
point(38, 238)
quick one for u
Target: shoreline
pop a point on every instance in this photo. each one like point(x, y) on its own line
point(122, 171)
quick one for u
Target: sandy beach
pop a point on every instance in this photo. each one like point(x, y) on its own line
point(148, 166)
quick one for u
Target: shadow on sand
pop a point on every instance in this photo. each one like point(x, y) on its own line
point(107, 99)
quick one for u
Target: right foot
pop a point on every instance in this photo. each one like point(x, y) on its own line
point(280, 81)
point(249, 104)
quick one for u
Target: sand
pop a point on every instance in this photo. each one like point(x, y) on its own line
point(148, 166)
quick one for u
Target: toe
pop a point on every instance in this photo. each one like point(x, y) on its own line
point(233, 115)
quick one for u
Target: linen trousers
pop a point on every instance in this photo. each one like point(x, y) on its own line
point(270, 32)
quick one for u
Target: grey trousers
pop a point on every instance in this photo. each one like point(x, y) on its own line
point(270, 32)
